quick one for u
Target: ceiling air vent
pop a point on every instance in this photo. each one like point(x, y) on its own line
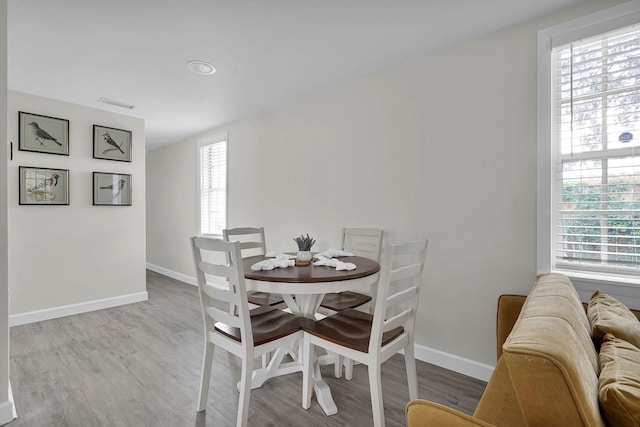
point(115, 103)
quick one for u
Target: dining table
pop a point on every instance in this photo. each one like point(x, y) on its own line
point(303, 286)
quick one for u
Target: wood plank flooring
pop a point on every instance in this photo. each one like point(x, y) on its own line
point(139, 365)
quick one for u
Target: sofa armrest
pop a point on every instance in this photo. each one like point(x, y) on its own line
point(509, 307)
point(423, 413)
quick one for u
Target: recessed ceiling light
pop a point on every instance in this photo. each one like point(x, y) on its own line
point(201, 67)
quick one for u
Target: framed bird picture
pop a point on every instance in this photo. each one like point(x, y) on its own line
point(41, 186)
point(111, 189)
point(43, 134)
point(111, 143)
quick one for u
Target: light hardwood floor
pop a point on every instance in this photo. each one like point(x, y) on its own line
point(139, 365)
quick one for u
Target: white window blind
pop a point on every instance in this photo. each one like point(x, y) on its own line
point(596, 154)
point(213, 185)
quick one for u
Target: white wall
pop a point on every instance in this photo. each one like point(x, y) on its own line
point(68, 259)
point(172, 206)
point(442, 147)
point(6, 406)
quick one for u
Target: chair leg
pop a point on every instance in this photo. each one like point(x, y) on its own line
point(308, 360)
point(348, 369)
point(205, 376)
point(295, 351)
point(245, 391)
point(375, 384)
point(337, 365)
point(412, 375)
point(265, 359)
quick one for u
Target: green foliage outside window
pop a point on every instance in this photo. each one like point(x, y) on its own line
point(582, 223)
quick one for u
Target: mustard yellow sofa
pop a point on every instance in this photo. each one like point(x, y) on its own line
point(555, 364)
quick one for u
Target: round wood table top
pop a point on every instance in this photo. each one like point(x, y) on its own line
point(310, 273)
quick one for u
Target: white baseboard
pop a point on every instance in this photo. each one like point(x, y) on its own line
point(6, 412)
point(439, 358)
point(8, 409)
point(173, 274)
point(454, 363)
point(69, 310)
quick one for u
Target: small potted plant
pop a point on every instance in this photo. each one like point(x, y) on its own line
point(304, 247)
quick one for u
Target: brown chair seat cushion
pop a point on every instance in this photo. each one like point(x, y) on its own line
point(349, 328)
point(343, 300)
point(264, 298)
point(268, 324)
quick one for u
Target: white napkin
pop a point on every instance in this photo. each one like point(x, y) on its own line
point(332, 262)
point(334, 253)
point(280, 261)
point(279, 255)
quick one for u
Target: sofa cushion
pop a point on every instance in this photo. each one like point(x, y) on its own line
point(422, 413)
point(608, 315)
point(619, 390)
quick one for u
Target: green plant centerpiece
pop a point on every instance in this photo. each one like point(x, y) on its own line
point(305, 243)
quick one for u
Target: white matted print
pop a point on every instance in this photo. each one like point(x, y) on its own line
point(42, 186)
point(111, 189)
point(43, 134)
point(111, 143)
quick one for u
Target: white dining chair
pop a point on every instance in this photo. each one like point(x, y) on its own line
point(371, 339)
point(246, 334)
point(364, 242)
point(252, 242)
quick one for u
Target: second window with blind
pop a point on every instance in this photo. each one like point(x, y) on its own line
point(212, 161)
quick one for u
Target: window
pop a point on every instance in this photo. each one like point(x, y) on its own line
point(589, 148)
point(212, 153)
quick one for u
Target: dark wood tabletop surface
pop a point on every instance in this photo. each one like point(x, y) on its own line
point(310, 273)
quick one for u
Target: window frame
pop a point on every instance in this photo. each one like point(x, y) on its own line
point(588, 26)
point(209, 140)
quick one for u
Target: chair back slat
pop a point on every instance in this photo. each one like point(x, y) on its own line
point(405, 272)
point(365, 242)
point(209, 244)
point(398, 289)
point(402, 296)
point(224, 316)
point(252, 241)
point(414, 247)
point(397, 320)
point(218, 270)
point(218, 293)
point(363, 249)
point(251, 245)
point(230, 305)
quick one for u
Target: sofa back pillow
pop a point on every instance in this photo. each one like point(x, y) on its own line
point(608, 315)
point(619, 388)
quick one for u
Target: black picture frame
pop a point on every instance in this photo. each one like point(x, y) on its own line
point(43, 186)
point(111, 189)
point(111, 143)
point(43, 134)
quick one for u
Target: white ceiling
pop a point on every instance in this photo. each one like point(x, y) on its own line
point(267, 52)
